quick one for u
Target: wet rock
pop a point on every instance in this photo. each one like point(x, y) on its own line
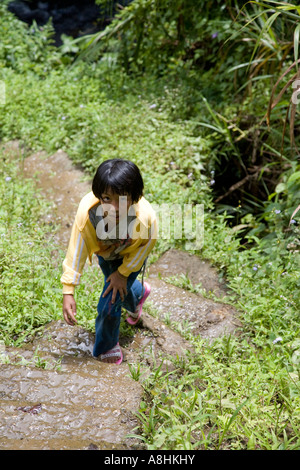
point(80, 404)
point(60, 339)
point(198, 271)
point(166, 340)
point(192, 312)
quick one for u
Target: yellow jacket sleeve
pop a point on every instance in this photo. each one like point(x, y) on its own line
point(74, 261)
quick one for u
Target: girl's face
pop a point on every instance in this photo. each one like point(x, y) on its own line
point(115, 206)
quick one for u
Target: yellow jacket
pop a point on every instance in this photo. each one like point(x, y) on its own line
point(84, 243)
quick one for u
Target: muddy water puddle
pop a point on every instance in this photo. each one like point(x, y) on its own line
point(73, 408)
point(53, 393)
point(69, 400)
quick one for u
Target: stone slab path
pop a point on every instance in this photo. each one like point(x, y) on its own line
point(87, 404)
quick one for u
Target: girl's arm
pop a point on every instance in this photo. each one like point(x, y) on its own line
point(74, 261)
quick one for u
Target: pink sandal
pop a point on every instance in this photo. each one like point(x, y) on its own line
point(114, 352)
point(133, 317)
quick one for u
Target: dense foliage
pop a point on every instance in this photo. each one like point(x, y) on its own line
point(185, 97)
point(223, 62)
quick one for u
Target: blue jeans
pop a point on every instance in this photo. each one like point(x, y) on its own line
point(107, 323)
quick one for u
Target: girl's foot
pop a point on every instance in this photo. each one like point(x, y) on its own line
point(113, 356)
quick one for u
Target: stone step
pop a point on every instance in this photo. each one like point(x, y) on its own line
point(175, 263)
point(74, 406)
point(71, 409)
point(193, 312)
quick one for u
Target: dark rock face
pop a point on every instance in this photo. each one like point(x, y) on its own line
point(74, 18)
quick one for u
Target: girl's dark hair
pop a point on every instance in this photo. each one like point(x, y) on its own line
point(119, 176)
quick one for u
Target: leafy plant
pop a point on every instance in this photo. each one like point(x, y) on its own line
point(29, 293)
point(188, 109)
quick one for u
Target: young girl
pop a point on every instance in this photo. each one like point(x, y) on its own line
point(115, 222)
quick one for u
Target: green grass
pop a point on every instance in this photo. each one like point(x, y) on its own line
point(236, 393)
point(29, 289)
point(92, 128)
point(227, 395)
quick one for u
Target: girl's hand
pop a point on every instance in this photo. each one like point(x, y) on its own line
point(69, 309)
point(118, 283)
